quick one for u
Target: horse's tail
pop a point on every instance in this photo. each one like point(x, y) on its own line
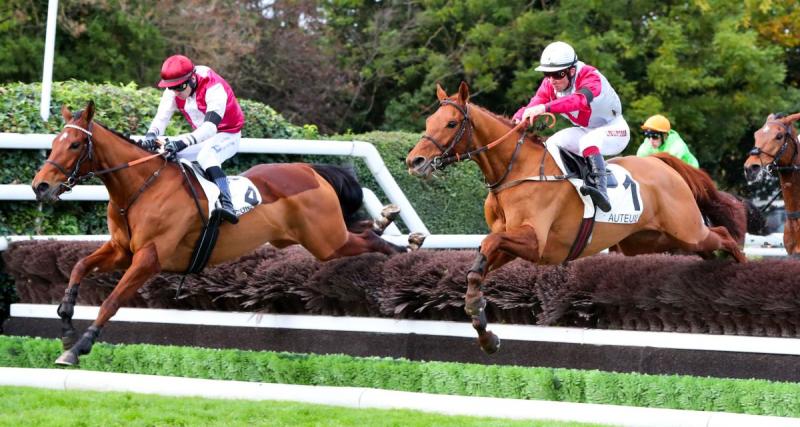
point(720, 208)
point(347, 188)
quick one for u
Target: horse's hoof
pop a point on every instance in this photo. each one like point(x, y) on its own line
point(474, 306)
point(415, 240)
point(490, 343)
point(68, 340)
point(67, 358)
point(390, 212)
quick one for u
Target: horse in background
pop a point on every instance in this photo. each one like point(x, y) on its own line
point(775, 150)
point(154, 220)
point(535, 213)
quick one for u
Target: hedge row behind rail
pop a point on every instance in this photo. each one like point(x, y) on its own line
point(756, 397)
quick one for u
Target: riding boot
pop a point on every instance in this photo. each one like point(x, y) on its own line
point(598, 174)
point(226, 206)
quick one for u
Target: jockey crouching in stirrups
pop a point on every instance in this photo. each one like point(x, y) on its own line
point(207, 102)
point(580, 93)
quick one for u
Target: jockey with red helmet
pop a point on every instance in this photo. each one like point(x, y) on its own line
point(580, 93)
point(207, 102)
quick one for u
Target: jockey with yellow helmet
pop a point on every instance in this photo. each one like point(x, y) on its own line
point(581, 94)
point(207, 102)
point(659, 137)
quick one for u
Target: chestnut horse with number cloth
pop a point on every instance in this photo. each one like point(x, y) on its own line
point(154, 220)
point(538, 220)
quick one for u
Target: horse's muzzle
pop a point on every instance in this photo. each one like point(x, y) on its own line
point(754, 173)
point(45, 192)
point(419, 166)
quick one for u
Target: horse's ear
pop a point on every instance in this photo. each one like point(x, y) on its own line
point(791, 118)
point(89, 111)
point(463, 92)
point(440, 93)
point(65, 113)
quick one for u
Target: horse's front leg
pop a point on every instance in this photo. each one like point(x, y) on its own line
point(108, 257)
point(496, 250)
point(143, 266)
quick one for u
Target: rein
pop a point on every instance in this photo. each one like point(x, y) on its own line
point(466, 127)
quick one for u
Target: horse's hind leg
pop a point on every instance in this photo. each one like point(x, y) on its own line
point(143, 266)
point(717, 238)
point(106, 258)
point(496, 250)
point(359, 243)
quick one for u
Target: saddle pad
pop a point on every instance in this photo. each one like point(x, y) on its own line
point(244, 194)
point(626, 199)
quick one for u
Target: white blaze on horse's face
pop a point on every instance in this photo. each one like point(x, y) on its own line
point(766, 129)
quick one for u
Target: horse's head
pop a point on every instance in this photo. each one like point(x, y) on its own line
point(776, 148)
point(448, 133)
point(70, 157)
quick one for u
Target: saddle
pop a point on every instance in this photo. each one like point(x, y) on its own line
point(244, 195)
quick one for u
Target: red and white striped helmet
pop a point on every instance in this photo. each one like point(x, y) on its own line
point(176, 70)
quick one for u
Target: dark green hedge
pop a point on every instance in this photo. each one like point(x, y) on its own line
point(756, 397)
point(450, 205)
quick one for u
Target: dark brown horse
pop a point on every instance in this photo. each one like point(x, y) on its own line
point(154, 221)
point(539, 221)
point(776, 151)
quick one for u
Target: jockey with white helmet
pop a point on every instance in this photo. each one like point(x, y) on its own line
point(207, 102)
point(580, 93)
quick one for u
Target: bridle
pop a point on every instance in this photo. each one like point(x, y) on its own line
point(774, 166)
point(74, 178)
point(87, 154)
point(465, 127)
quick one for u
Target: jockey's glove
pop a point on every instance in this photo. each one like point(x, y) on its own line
point(149, 142)
point(172, 147)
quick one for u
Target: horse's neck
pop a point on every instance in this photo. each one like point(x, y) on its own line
point(494, 163)
point(790, 189)
point(111, 151)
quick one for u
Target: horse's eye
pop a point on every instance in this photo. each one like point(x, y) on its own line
point(451, 124)
point(780, 136)
point(74, 145)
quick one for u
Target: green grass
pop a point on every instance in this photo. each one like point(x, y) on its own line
point(756, 397)
point(24, 406)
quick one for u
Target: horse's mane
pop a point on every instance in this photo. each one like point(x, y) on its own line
point(507, 121)
point(124, 137)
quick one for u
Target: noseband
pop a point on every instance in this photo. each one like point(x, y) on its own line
point(73, 178)
point(773, 166)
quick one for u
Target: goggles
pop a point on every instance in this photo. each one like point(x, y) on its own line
point(652, 134)
point(179, 88)
point(558, 75)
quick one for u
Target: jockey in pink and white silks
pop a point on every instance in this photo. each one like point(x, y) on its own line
point(207, 102)
point(580, 93)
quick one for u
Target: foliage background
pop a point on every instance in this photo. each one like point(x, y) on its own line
point(716, 68)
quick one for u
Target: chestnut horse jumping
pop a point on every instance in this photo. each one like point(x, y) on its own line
point(776, 150)
point(154, 221)
point(538, 221)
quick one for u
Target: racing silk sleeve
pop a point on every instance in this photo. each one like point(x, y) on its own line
point(216, 101)
point(588, 88)
point(645, 149)
point(676, 146)
point(166, 107)
point(543, 94)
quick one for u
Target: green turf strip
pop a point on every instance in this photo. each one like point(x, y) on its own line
point(24, 406)
point(756, 397)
